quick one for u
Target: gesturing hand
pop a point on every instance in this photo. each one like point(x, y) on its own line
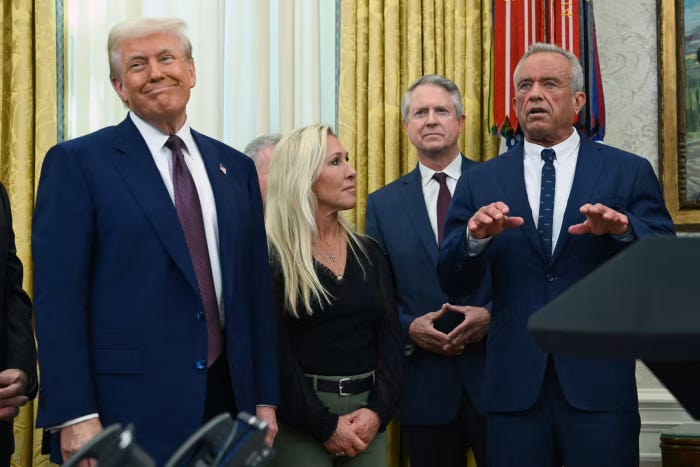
point(491, 220)
point(600, 220)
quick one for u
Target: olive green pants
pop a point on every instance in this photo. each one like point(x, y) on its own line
point(298, 449)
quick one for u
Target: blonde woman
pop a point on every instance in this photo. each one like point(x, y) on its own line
point(339, 337)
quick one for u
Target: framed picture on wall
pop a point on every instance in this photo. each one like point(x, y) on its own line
point(679, 110)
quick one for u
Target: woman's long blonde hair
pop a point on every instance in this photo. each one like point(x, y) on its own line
point(290, 215)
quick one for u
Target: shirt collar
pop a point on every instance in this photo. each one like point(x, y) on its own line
point(564, 150)
point(453, 170)
point(155, 139)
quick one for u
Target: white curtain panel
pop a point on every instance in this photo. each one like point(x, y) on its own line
point(262, 65)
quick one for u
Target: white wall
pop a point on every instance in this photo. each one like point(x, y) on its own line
point(628, 47)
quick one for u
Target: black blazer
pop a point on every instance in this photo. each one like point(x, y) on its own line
point(17, 348)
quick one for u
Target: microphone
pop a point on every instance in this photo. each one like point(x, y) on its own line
point(113, 447)
point(223, 442)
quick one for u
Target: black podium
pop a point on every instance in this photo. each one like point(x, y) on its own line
point(644, 303)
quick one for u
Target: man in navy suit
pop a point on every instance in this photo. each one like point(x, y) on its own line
point(546, 409)
point(439, 411)
point(152, 288)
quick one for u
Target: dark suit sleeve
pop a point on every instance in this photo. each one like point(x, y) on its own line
point(647, 213)
point(459, 274)
point(262, 317)
point(18, 335)
point(62, 244)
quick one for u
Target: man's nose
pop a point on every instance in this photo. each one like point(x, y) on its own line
point(432, 117)
point(536, 90)
point(155, 72)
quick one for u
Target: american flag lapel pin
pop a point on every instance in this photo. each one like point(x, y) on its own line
point(222, 168)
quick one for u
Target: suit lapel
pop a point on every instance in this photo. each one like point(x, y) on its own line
point(226, 203)
point(414, 205)
point(514, 186)
point(588, 166)
point(141, 175)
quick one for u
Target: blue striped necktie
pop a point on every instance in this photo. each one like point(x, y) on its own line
point(546, 218)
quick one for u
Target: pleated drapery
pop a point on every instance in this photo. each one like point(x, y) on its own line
point(385, 45)
point(27, 131)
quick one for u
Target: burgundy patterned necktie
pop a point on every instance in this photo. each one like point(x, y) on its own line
point(189, 210)
point(443, 204)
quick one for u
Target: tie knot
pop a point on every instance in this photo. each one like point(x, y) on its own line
point(548, 155)
point(174, 143)
point(441, 178)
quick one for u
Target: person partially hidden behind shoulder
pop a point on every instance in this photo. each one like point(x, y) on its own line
point(18, 382)
point(341, 355)
point(152, 284)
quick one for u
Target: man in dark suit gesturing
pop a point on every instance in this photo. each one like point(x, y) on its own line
point(542, 216)
point(152, 288)
point(439, 411)
point(17, 349)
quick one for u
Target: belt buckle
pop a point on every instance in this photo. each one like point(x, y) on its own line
point(340, 387)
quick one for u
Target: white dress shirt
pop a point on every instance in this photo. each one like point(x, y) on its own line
point(431, 187)
point(565, 168)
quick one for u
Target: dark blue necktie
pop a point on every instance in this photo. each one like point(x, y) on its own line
point(544, 223)
point(189, 210)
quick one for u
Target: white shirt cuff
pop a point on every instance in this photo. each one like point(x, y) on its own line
point(476, 246)
point(75, 421)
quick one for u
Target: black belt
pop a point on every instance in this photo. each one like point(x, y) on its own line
point(344, 386)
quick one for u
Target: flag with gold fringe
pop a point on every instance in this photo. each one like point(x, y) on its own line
point(517, 24)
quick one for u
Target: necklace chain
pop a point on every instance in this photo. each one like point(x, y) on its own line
point(331, 256)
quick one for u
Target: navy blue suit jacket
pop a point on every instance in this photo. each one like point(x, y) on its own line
point(118, 312)
point(398, 219)
point(523, 280)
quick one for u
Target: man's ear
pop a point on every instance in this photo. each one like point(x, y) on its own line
point(193, 73)
point(119, 88)
point(579, 101)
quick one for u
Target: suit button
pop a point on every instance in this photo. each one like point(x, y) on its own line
point(200, 315)
point(550, 278)
point(201, 364)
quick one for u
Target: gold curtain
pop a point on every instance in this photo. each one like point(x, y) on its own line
point(385, 45)
point(27, 130)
